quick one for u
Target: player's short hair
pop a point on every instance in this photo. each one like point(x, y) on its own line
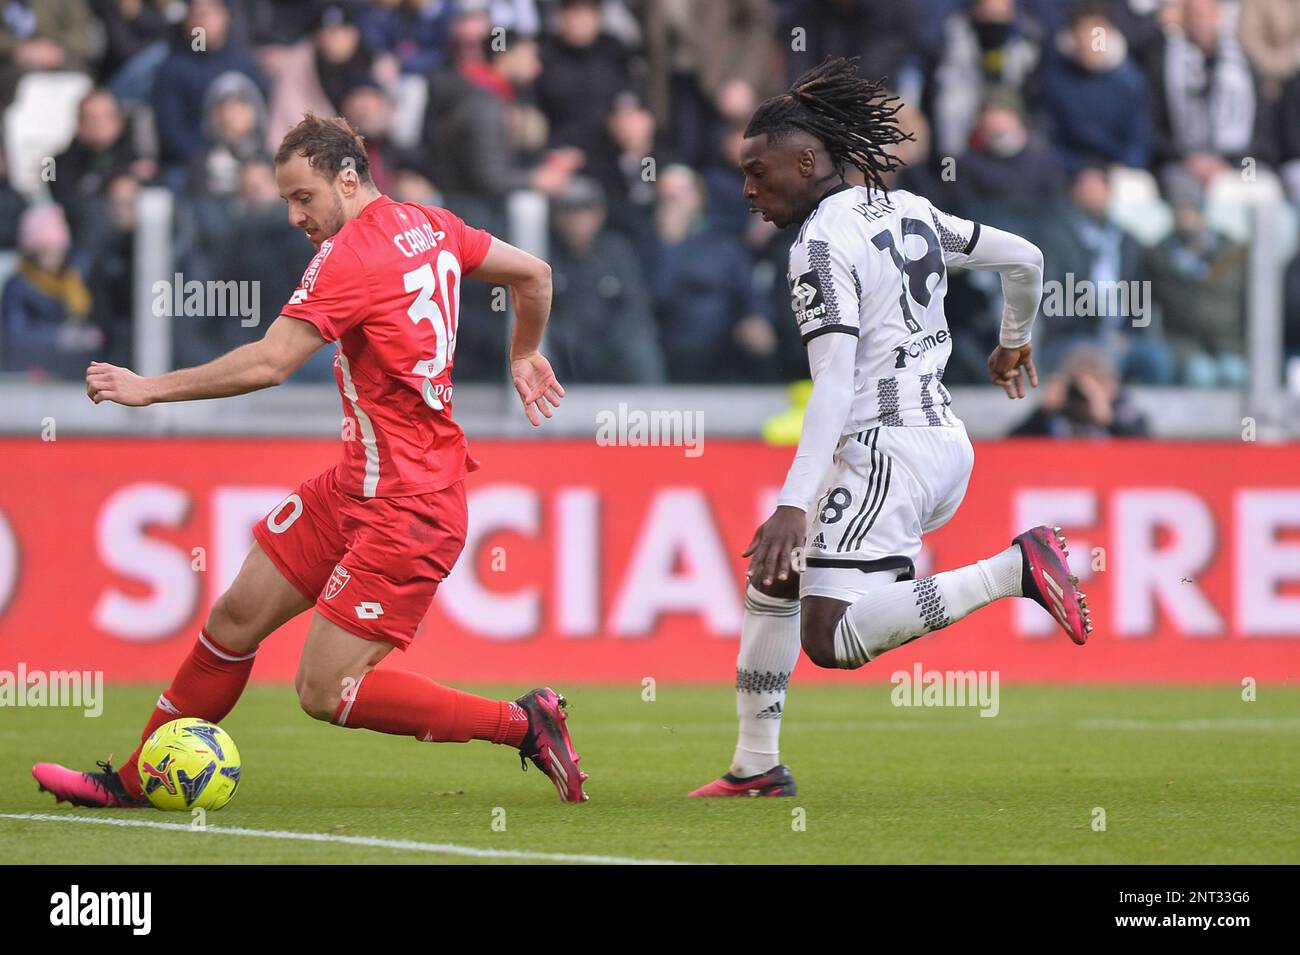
point(330, 145)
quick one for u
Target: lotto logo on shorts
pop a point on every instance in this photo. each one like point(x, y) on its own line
point(368, 610)
point(338, 580)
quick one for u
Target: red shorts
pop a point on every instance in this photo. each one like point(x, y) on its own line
point(371, 564)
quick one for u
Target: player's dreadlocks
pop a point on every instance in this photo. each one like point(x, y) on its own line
point(854, 117)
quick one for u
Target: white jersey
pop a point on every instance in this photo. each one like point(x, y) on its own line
point(875, 266)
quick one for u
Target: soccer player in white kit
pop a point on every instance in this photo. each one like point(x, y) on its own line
point(882, 459)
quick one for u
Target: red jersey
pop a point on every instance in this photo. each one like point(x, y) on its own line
point(386, 290)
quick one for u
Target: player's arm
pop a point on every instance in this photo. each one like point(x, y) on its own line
point(287, 345)
point(1020, 264)
point(831, 358)
point(529, 280)
point(829, 293)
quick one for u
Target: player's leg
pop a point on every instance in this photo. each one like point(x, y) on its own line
point(769, 649)
point(401, 550)
point(922, 476)
point(295, 546)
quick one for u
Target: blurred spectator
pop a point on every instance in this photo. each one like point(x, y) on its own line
point(45, 307)
point(1203, 93)
point(281, 23)
point(1291, 300)
point(1084, 400)
point(135, 43)
point(1095, 95)
point(917, 175)
point(883, 33)
point(315, 73)
point(710, 317)
point(1270, 35)
point(1084, 249)
point(109, 268)
point(262, 248)
point(1289, 126)
point(12, 204)
point(411, 184)
point(200, 52)
point(100, 149)
point(370, 109)
point(43, 35)
point(1007, 162)
point(992, 43)
point(414, 31)
point(234, 129)
point(469, 135)
point(1198, 280)
point(601, 327)
point(584, 72)
point(709, 66)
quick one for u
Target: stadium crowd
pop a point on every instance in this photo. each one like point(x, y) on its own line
point(1045, 117)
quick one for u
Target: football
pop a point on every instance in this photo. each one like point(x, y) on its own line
point(189, 764)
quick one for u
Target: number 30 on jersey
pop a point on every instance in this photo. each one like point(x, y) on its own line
point(445, 284)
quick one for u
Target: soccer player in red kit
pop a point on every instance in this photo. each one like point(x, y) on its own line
point(365, 543)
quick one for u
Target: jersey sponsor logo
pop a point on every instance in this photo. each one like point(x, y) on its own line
point(917, 348)
point(806, 298)
point(368, 610)
point(338, 580)
point(313, 269)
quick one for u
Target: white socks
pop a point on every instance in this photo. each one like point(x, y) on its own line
point(769, 647)
point(890, 616)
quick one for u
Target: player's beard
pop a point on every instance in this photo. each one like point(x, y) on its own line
point(330, 225)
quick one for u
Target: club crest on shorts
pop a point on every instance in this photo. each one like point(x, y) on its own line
point(338, 580)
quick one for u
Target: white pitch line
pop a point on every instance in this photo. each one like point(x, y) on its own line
point(442, 848)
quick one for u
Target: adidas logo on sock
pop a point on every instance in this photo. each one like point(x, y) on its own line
point(773, 712)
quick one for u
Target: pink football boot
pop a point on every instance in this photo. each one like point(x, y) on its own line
point(1047, 581)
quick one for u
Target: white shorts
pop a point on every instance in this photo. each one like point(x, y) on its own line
point(887, 487)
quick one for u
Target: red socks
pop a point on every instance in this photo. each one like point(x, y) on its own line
point(207, 685)
point(410, 704)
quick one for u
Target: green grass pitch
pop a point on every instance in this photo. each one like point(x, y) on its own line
point(1184, 775)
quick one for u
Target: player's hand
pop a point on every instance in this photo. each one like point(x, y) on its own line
point(774, 543)
point(1005, 365)
point(537, 387)
point(105, 382)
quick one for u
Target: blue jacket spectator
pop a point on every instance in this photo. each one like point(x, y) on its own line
point(1096, 96)
point(182, 82)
